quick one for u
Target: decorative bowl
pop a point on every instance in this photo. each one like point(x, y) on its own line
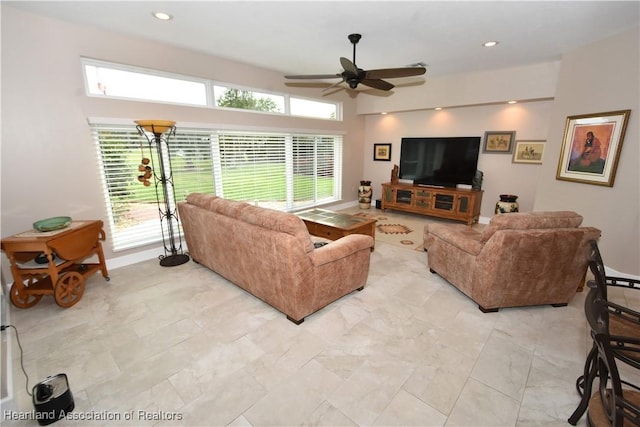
point(53, 223)
point(156, 126)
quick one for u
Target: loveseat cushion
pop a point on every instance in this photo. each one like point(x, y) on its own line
point(531, 220)
point(458, 235)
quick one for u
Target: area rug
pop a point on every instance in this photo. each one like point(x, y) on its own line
point(396, 228)
point(402, 229)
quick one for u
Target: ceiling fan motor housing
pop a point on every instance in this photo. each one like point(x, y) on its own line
point(353, 82)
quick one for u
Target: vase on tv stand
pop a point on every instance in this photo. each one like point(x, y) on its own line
point(507, 204)
point(364, 194)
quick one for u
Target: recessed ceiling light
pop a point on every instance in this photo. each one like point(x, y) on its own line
point(163, 16)
point(512, 102)
point(491, 43)
point(383, 113)
point(438, 108)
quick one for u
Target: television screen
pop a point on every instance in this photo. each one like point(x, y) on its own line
point(443, 162)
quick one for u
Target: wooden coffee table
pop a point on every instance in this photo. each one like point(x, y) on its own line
point(334, 225)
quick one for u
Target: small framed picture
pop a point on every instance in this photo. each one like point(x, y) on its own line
point(499, 142)
point(382, 152)
point(529, 152)
point(591, 147)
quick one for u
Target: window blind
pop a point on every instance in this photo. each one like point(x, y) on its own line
point(132, 208)
point(276, 170)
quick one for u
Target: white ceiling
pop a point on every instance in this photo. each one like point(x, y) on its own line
point(303, 37)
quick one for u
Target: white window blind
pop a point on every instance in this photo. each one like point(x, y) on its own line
point(277, 170)
point(132, 207)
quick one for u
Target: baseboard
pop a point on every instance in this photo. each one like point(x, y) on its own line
point(123, 261)
point(7, 401)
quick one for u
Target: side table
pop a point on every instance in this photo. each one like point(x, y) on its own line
point(63, 275)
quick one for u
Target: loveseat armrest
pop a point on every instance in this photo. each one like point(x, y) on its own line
point(341, 248)
point(458, 235)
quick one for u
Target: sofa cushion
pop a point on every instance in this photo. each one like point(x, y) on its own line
point(201, 200)
point(278, 221)
point(263, 217)
point(531, 220)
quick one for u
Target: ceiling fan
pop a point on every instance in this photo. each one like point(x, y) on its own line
point(353, 75)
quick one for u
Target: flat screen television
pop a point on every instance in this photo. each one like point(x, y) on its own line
point(441, 162)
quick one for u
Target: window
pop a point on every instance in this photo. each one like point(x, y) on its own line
point(228, 97)
point(111, 80)
point(131, 206)
point(108, 81)
point(309, 108)
point(282, 171)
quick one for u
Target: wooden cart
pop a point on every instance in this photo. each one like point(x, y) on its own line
point(64, 271)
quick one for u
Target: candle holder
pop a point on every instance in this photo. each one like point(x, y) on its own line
point(157, 133)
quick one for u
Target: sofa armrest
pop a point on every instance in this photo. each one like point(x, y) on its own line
point(460, 236)
point(341, 248)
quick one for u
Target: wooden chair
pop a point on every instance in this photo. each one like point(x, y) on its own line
point(615, 330)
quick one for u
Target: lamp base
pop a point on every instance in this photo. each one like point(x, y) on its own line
point(174, 260)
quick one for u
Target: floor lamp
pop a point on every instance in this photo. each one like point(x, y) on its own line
point(157, 133)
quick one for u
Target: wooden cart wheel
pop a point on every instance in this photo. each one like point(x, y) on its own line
point(69, 289)
point(23, 299)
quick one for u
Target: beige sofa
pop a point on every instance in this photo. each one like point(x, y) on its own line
point(270, 254)
point(518, 259)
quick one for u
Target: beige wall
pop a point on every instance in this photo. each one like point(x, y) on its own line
point(501, 175)
point(530, 82)
point(49, 165)
point(599, 78)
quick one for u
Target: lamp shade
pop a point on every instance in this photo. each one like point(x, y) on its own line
point(156, 126)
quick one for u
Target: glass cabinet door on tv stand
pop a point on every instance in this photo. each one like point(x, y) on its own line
point(451, 203)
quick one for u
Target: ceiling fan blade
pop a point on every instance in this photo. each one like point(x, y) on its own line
point(333, 85)
point(313, 76)
point(387, 73)
point(377, 84)
point(348, 66)
point(308, 84)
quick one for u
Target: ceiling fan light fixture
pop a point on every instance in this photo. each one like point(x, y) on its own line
point(163, 16)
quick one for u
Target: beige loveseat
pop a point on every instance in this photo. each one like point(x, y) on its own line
point(518, 259)
point(270, 254)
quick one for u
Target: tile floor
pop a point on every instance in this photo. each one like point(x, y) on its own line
point(182, 346)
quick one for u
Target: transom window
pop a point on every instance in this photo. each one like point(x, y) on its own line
point(231, 97)
point(132, 84)
point(285, 171)
point(111, 80)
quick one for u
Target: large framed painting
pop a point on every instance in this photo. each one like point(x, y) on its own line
point(591, 147)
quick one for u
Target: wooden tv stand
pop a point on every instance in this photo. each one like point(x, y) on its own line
point(450, 203)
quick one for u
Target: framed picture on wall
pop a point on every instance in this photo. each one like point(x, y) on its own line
point(591, 147)
point(529, 152)
point(499, 142)
point(382, 152)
